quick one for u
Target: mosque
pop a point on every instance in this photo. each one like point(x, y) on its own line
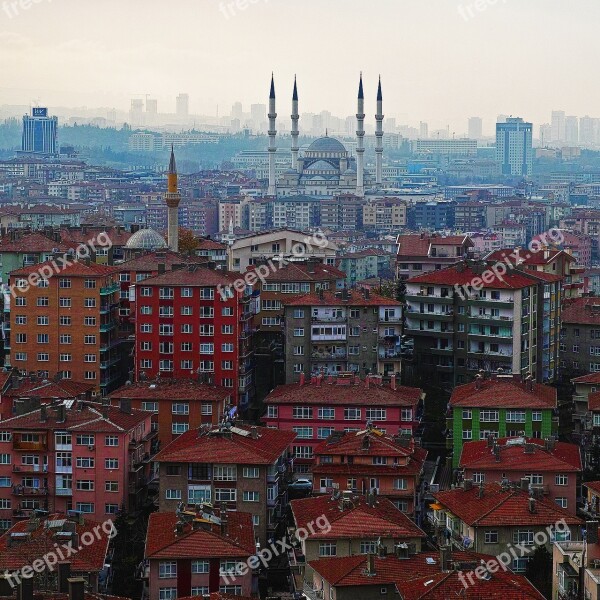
point(326, 167)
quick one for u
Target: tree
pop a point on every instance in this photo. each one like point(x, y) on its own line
point(539, 571)
point(188, 242)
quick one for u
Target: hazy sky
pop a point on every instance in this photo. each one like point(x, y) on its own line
point(441, 60)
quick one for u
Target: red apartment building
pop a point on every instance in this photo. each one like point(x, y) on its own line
point(190, 554)
point(370, 460)
point(177, 405)
point(192, 321)
point(79, 456)
point(551, 467)
point(317, 409)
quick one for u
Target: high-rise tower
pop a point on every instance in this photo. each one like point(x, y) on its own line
point(272, 135)
point(360, 142)
point(295, 132)
point(379, 137)
point(172, 198)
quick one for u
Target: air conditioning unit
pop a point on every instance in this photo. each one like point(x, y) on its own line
point(434, 488)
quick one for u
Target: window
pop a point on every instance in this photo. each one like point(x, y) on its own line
point(324, 432)
point(299, 332)
point(407, 414)
point(227, 311)
point(179, 428)
point(227, 347)
point(89, 375)
point(251, 472)
point(43, 320)
point(478, 477)
point(42, 301)
point(327, 549)
point(368, 547)
point(225, 473)
point(85, 507)
point(65, 339)
point(251, 496)
point(66, 302)
point(298, 313)
point(524, 537)
point(515, 416)
point(89, 321)
point(207, 348)
point(169, 593)
point(89, 358)
point(173, 494)
point(186, 292)
point(491, 537)
point(561, 480)
point(85, 440)
point(467, 414)
point(305, 433)
point(536, 415)
point(200, 566)
point(5, 482)
point(225, 494)
point(206, 409)
point(488, 416)
point(352, 414)
point(302, 412)
point(400, 484)
point(562, 502)
point(85, 462)
point(111, 486)
point(85, 485)
point(467, 434)
point(180, 408)
point(303, 452)
point(111, 509)
point(111, 440)
point(43, 338)
point(111, 463)
point(377, 414)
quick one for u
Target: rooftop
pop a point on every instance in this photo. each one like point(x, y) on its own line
point(172, 389)
point(194, 275)
point(304, 271)
point(504, 392)
point(150, 260)
point(32, 243)
point(352, 298)
point(45, 389)
point(71, 268)
point(582, 311)
point(352, 517)
point(228, 445)
point(419, 244)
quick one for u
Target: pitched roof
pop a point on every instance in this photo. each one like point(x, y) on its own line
point(63, 389)
point(501, 507)
point(150, 261)
point(359, 520)
point(172, 389)
point(336, 394)
point(71, 268)
point(594, 401)
point(589, 378)
point(194, 276)
point(462, 274)
point(560, 457)
point(527, 257)
point(215, 446)
point(594, 486)
point(419, 244)
point(504, 392)
point(42, 542)
point(32, 243)
point(335, 299)
point(81, 416)
point(421, 576)
point(162, 541)
point(582, 311)
point(303, 271)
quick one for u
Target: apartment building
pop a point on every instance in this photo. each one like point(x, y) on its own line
point(585, 385)
point(332, 333)
point(80, 456)
point(491, 518)
point(365, 264)
point(554, 468)
point(580, 337)
point(244, 468)
point(465, 318)
point(191, 321)
point(423, 252)
point(358, 525)
point(342, 213)
point(66, 326)
point(371, 460)
point(177, 405)
point(384, 215)
point(316, 410)
point(190, 553)
point(500, 406)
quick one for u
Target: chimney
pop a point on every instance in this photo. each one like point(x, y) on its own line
point(478, 382)
point(224, 522)
point(61, 416)
point(532, 505)
point(319, 379)
point(302, 378)
point(162, 267)
point(393, 381)
point(125, 405)
point(76, 588)
point(370, 567)
point(43, 413)
point(445, 558)
point(524, 484)
point(64, 573)
point(25, 589)
point(254, 433)
point(367, 381)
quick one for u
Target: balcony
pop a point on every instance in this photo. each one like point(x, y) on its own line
point(104, 327)
point(36, 446)
point(23, 490)
point(30, 468)
point(328, 319)
point(64, 492)
point(105, 364)
point(111, 289)
point(340, 355)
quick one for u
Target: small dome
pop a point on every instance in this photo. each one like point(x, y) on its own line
point(326, 144)
point(146, 239)
point(321, 165)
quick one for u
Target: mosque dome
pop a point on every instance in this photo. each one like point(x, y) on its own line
point(326, 144)
point(146, 239)
point(321, 165)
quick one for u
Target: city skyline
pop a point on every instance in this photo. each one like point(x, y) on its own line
point(231, 64)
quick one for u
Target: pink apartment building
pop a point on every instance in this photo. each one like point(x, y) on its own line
point(77, 455)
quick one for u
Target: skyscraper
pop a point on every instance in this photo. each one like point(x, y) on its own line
point(152, 106)
point(475, 128)
point(182, 105)
point(39, 132)
point(571, 131)
point(136, 112)
point(514, 154)
point(558, 126)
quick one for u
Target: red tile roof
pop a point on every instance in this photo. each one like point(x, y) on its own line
point(527, 257)
point(594, 401)
point(562, 457)
point(335, 394)
point(303, 271)
point(206, 244)
point(172, 389)
point(90, 558)
point(421, 576)
point(419, 244)
point(463, 274)
point(117, 235)
point(357, 521)
point(213, 446)
point(64, 389)
point(73, 268)
point(504, 392)
point(582, 311)
point(589, 378)
point(149, 262)
point(335, 299)
point(502, 508)
point(32, 243)
point(162, 542)
point(216, 596)
point(86, 416)
point(594, 486)
point(194, 276)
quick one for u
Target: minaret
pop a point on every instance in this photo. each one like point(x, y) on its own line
point(360, 146)
point(379, 137)
point(295, 132)
point(172, 198)
point(272, 133)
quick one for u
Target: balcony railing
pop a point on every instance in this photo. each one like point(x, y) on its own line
point(23, 490)
point(111, 289)
point(39, 446)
